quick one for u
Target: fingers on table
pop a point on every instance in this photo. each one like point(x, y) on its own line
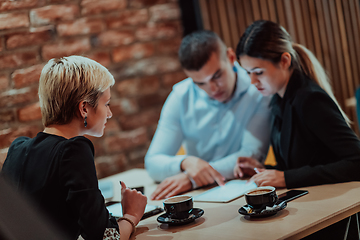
point(219, 179)
point(238, 172)
point(163, 190)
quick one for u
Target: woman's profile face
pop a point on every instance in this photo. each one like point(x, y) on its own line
point(97, 119)
point(268, 78)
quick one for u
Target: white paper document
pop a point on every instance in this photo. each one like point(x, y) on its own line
point(232, 189)
point(116, 209)
point(106, 188)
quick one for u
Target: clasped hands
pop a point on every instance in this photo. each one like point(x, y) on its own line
point(246, 166)
point(199, 170)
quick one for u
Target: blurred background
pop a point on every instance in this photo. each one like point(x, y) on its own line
point(137, 40)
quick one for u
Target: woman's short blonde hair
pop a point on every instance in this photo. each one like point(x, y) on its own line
point(65, 82)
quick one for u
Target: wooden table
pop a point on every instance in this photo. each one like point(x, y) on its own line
point(323, 206)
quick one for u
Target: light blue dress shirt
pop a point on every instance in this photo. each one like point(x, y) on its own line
point(216, 132)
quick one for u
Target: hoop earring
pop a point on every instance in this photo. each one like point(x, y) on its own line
point(85, 122)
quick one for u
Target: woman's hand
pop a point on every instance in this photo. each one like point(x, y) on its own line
point(132, 202)
point(245, 167)
point(273, 178)
point(133, 206)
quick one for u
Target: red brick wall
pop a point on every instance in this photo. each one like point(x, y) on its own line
point(137, 40)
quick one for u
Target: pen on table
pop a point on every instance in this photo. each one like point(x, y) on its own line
point(256, 170)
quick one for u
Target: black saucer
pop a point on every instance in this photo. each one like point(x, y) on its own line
point(193, 214)
point(264, 213)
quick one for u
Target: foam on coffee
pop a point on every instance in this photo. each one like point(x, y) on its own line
point(259, 192)
point(177, 199)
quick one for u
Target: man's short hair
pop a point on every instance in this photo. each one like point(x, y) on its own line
point(197, 47)
point(65, 82)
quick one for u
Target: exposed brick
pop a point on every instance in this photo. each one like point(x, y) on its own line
point(126, 140)
point(110, 165)
point(169, 79)
point(95, 6)
point(14, 97)
point(156, 99)
point(150, 66)
point(27, 76)
point(98, 145)
point(3, 154)
point(123, 106)
point(128, 17)
point(101, 57)
point(151, 131)
point(136, 86)
point(145, 3)
point(81, 26)
point(136, 39)
point(7, 116)
point(13, 20)
point(143, 118)
point(35, 36)
point(158, 31)
point(134, 51)
point(30, 113)
point(4, 82)
point(112, 126)
point(164, 12)
point(138, 155)
point(18, 59)
point(14, 5)
point(66, 48)
point(10, 134)
point(168, 46)
point(53, 13)
point(58, 1)
point(114, 38)
point(138, 164)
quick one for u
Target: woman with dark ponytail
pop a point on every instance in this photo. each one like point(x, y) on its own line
point(311, 138)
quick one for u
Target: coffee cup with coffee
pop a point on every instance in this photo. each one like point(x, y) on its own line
point(178, 207)
point(261, 197)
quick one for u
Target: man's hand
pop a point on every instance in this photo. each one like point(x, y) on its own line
point(245, 167)
point(172, 186)
point(273, 178)
point(201, 171)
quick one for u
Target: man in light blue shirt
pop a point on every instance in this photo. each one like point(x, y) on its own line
point(216, 114)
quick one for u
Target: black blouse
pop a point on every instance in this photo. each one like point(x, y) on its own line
point(59, 175)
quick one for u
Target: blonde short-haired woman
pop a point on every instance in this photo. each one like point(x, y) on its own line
point(56, 168)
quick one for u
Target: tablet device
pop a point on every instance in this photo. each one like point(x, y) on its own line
point(115, 210)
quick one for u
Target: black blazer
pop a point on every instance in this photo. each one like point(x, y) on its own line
point(59, 176)
point(312, 143)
